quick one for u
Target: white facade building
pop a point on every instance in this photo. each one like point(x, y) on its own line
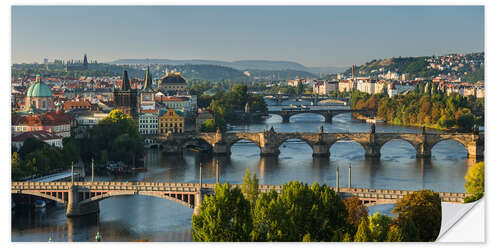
point(148, 122)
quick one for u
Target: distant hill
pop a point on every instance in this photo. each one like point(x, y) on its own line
point(241, 65)
point(328, 70)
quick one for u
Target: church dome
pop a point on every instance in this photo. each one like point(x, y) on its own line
point(175, 78)
point(39, 89)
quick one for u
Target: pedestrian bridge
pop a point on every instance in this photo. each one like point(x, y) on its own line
point(269, 141)
point(82, 197)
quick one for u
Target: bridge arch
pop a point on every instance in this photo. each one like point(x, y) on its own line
point(403, 146)
point(245, 141)
point(281, 143)
point(183, 199)
point(458, 149)
point(340, 143)
point(45, 195)
point(309, 112)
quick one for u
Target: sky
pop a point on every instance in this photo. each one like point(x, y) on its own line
point(313, 36)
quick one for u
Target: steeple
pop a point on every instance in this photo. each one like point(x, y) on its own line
point(85, 62)
point(125, 82)
point(148, 81)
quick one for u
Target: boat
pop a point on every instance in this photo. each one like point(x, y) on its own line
point(40, 204)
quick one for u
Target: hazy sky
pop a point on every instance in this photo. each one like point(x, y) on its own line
point(313, 36)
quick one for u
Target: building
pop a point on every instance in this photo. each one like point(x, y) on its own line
point(173, 83)
point(39, 96)
point(44, 136)
point(366, 85)
point(125, 98)
point(87, 120)
point(78, 65)
point(78, 105)
point(202, 116)
point(170, 121)
point(148, 122)
point(57, 123)
point(186, 103)
point(147, 94)
point(325, 87)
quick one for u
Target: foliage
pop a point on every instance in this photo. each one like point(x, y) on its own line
point(250, 188)
point(403, 230)
point(379, 226)
point(422, 208)
point(474, 182)
point(37, 158)
point(421, 108)
point(225, 216)
point(116, 138)
point(356, 212)
point(363, 234)
point(299, 212)
point(208, 126)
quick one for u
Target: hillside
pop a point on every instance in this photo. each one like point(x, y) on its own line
point(426, 66)
point(240, 65)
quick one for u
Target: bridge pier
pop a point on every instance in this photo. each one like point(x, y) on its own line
point(321, 150)
point(198, 199)
point(423, 150)
point(372, 151)
point(221, 149)
point(328, 118)
point(172, 148)
point(285, 119)
point(76, 207)
point(269, 150)
point(475, 150)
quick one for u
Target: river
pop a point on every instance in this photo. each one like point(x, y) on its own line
point(128, 218)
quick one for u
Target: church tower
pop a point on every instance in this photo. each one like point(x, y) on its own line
point(125, 98)
point(147, 95)
point(85, 62)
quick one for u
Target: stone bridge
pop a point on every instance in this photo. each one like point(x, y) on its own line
point(328, 114)
point(269, 141)
point(83, 197)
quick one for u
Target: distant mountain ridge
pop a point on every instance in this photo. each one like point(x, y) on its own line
point(240, 64)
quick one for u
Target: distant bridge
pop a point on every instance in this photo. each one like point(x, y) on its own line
point(328, 114)
point(83, 197)
point(278, 98)
point(270, 141)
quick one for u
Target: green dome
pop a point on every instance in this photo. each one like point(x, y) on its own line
point(39, 89)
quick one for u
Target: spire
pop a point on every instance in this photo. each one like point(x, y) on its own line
point(147, 81)
point(125, 82)
point(85, 62)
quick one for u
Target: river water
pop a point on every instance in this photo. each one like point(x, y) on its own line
point(129, 218)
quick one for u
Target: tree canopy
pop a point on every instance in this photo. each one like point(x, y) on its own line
point(474, 182)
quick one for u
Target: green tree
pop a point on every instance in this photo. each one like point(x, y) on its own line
point(474, 182)
point(424, 209)
point(379, 226)
point(363, 234)
point(208, 126)
point(225, 216)
point(250, 187)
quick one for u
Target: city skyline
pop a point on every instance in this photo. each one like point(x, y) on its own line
point(342, 35)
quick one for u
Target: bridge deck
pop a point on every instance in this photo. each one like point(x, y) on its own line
point(362, 193)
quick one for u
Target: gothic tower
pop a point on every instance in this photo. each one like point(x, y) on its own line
point(125, 98)
point(147, 93)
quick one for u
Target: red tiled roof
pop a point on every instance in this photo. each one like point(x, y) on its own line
point(39, 135)
point(171, 98)
point(45, 119)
